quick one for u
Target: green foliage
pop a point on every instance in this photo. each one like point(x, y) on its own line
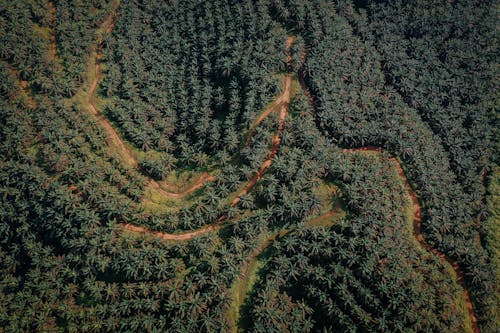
point(358, 104)
point(156, 166)
point(184, 82)
point(200, 94)
point(365, 274)
point(492, 226)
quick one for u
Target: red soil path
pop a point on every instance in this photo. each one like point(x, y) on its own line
point(417, 211)
point(284, 101)
point(284, 98)
point(107, 25)
point(273, 107)
point(417, 230)
point(115, 138)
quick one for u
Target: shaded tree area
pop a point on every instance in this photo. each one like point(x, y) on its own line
point(25, 30)
point(63, 267)
point(366, 274)
point(197, 97)
point(48, 42)
point(355, 106)
point(60, 186)
point(184, 82)
point(440, 58)
point(75, 30)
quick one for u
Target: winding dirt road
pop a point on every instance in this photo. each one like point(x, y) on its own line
point(114, 138)
point(107, 27)
point(283, 99)
point(282, 102)
point(417, 208)
point(417, 229)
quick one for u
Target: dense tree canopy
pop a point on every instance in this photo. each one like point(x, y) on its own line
point(194, 166)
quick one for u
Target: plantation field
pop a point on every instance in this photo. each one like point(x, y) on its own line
point(248, 166)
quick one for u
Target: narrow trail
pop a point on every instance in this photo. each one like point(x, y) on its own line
point(114, 137)
point(284, 98)
point(176, 237)
point(198, 183)
point(323, 217)
point(272, 108)
point(245, 281)
point(244, 284)
point(284, 101)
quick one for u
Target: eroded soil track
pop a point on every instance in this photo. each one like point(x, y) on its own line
point(283, 102)
point(417, 208)
point(113, 136)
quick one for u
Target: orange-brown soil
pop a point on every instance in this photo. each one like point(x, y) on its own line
point(282, 102)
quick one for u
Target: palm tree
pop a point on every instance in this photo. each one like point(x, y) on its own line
point(247, 201)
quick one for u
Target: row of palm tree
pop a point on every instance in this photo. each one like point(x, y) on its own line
point(65, 265)
point(354, 74)
point(364, 274)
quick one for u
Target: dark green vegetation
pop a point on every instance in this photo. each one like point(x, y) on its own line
point(182, 83)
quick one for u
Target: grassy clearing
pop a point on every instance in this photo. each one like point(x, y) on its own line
point(248, 277)
point(330, 196)
point(180, 179)
point(44, 32)
point(155, 202)
point(295, 88)
point(252, 271)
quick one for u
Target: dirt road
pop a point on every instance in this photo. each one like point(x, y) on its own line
point(114, 138)
point(417, 231)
